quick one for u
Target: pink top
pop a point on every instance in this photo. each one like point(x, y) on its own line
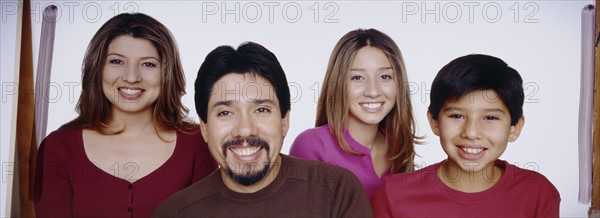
point(68, 184)
point(518, 193)
point(319, 144)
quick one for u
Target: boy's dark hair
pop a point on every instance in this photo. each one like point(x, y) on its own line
point(250, 58)
point(478, 72)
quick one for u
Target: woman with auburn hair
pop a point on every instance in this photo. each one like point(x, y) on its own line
point(364, 115)
point(131, 146)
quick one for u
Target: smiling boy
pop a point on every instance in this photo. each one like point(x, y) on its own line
point(476, 109)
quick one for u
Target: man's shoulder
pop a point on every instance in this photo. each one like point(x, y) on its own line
point(316, 171)
point(186, 197)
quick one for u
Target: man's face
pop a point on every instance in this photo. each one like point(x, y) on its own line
point(244, 128)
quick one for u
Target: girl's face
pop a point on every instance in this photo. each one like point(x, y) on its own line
point(371, 87)
point(132, 74)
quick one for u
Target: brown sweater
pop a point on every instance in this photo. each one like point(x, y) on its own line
point(301, 189)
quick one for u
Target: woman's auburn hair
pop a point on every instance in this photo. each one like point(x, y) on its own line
point(93, 107)
point(398, 125)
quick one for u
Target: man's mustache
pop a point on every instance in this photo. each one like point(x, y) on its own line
point(250, 140)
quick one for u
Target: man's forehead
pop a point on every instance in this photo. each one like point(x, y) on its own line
point(238, 87)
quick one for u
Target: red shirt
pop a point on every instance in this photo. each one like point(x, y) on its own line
point(68, 184)
point(518, 193)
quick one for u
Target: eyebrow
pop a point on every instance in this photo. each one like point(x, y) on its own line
point(222, 103)
point(362, 69)
point(486, 110)
point(254, 101)
point(120, 55)
point(262, 101)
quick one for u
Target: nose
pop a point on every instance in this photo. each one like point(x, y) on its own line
point(471, 129)
point(372, 88)
point(245, 126)
point(132, 74)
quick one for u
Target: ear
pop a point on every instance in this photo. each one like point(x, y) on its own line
point(285, 123)
point(434, 124)
point(203, 131)
point(515, 130)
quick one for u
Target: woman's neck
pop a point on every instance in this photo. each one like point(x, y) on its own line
point(132, 123)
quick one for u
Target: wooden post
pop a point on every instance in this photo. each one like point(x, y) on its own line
point(595, 208)
point(25, 135)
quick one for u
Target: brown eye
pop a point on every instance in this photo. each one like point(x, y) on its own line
point(115, 61)
point(263, 110)
point(224, 113)
point(456, 116)
point(149, 64)
point(355, 77)
point(491, 118)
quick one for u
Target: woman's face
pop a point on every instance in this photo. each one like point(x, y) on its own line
point(371, 87)
point(132, 74)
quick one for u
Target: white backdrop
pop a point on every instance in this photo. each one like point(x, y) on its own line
point(539, 39)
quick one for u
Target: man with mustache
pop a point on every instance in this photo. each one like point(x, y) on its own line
point(243, 99)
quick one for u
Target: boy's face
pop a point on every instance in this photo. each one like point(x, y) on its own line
point(475, 130)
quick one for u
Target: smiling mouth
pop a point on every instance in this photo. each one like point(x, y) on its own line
point(130, 92)
point(472, 150)
point(245, 151)
point(371, 105)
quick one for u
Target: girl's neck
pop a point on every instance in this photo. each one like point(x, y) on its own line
point(371, 137)
point(366, 135)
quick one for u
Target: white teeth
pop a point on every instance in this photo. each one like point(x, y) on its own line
point(472, 150)
point(246, 151)
point(371, 105)
point(130, 91)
